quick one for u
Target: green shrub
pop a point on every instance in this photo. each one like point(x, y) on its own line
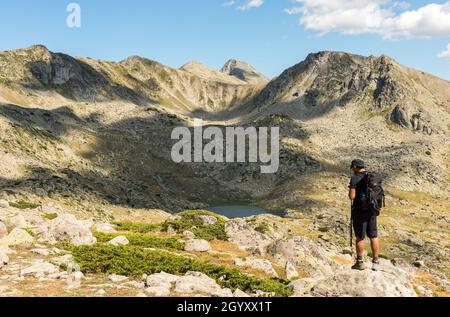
point(21, 204)
point(143, 240)
point(50, 216)
point(190, 221)
point(262, 228)
point(136, 261)
point(136, 227)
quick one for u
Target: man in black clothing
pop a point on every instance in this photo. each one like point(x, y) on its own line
point(364, 222)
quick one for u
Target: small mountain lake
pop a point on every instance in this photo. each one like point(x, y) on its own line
point(240, 211)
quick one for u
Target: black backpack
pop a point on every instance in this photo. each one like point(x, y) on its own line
point(372, 195)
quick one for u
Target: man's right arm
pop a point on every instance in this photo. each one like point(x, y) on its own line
point(352, 194)
point(352, 191)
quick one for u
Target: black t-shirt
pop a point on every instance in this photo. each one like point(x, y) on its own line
point(357, 182)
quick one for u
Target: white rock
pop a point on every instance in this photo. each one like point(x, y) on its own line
point(200, 284)
point(117, 278)
point(161, 280)
point(241, 233)
point(358, 284)
point(158, 291)
point(101, 292)
point(240, 294)
point(4, 203)
point(104, 228)
point(3, 230)
point(135, 284)
point(40, 268)
point(188, 235)
point(198, 246)
point(66, 228)
point(307, 256)
point(17, 237)
point(63, 260)
point(291, 271)
point(208, 220)
point(120, 240)
point(258, 264)
point(18, 221)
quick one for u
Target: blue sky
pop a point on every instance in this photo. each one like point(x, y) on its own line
point(271, 35)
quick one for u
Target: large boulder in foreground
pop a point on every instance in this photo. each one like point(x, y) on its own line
point(309, 257)
point(389, 281)
point(193, 283)
point(66, 228)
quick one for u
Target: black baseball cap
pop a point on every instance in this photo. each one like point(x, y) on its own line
point(358, 164)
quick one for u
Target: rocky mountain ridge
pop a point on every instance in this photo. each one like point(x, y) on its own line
point(94, 137)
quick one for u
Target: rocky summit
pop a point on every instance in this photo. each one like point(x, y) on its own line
point(92, 204)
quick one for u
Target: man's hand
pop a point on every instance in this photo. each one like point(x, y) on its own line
point(352, 194)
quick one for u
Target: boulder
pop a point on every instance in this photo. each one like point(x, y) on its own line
point(17, 237)
point(304, 286)
point(156, 291)
point(66, 228)
point(161, 280)
point(120, 240)
point(258, 264)
point(66, 260)
point(195, 283)
point(160, 284)
point(309, 257)
point(135, 284)
point(208, 220)
point(18, 221)
point(117, 278)
point(241, 233)
point(240, 294)
point(104, 228)
point(4, 203)
point(291, 271)
point(39, 268)
point(364, 284)
point(198, 246)
point(188, 235)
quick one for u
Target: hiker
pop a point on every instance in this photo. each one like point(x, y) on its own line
point(364, 221)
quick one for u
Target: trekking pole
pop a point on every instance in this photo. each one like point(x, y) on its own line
point(351, 227)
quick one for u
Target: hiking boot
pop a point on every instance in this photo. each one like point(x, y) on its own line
point(375, 265)
point(359, 266)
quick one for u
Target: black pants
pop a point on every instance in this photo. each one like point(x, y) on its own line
point(365, 224)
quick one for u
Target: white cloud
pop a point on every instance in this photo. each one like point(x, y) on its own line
point(445, 54)
point(229, 3)
point(388, 18)
point(244, 5)
point(250, 4)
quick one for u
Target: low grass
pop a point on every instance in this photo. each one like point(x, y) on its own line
point(190, 221)
point(137, 227)
point(135, 261)
point(21, 204)
point(143, 240)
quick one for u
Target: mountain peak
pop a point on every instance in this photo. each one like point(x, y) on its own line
point(244, 72)
point(209, 73)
